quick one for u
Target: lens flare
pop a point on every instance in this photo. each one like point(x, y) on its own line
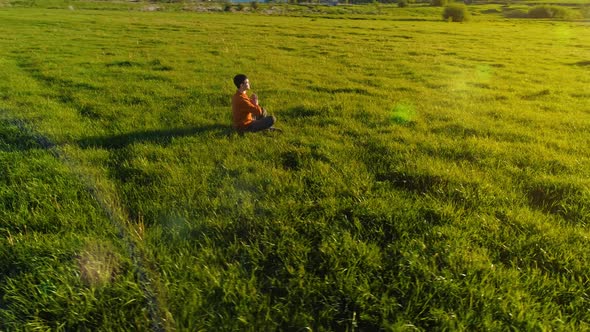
point(98, 264)
point(402, 113)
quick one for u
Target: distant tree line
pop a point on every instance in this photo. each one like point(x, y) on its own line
point(350, 2)
point(296, 2)
point(329, 2)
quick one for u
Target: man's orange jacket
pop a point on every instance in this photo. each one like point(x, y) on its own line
point(242, 110)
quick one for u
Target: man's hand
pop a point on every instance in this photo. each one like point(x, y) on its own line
point(254, 99)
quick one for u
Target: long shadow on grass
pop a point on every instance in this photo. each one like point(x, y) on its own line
point(158, 136)
point(15, 135)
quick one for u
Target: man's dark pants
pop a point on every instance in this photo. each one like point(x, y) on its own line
point(262, 122)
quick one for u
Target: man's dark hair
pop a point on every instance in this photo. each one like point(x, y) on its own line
point(239, 79)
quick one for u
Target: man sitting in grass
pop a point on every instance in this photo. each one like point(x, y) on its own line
point(247, 114)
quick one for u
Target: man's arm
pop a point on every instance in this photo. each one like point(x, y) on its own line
point(252, 105)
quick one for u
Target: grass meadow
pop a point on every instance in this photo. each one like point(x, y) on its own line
point(429, 176)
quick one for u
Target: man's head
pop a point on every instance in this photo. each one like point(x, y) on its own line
point(239, 80)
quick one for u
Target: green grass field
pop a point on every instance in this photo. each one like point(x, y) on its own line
point(429, 176)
